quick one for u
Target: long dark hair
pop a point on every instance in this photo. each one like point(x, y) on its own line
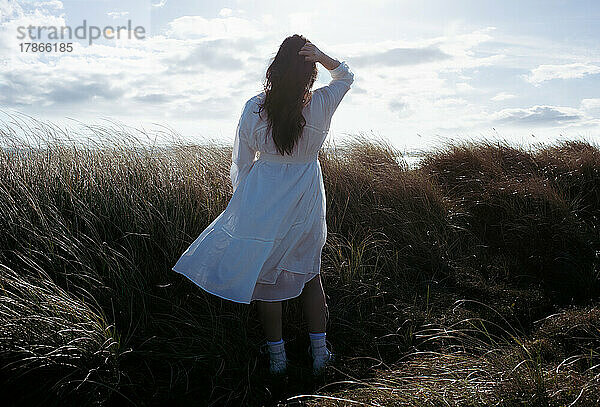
point(287, 87)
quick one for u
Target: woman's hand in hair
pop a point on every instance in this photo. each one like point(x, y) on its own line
point(311, 52)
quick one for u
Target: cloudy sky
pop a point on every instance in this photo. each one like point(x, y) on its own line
point(425, 71)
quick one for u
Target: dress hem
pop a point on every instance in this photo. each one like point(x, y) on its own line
point(208, 291)
point(239, 301)
point(288, 298)
point(278, 271)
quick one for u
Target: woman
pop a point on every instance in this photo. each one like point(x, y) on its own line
point(266, 245)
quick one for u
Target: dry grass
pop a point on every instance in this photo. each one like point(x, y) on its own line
point(555, 367)
point(435, 276)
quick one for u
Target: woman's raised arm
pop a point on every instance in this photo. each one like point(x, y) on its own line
point(341, 77)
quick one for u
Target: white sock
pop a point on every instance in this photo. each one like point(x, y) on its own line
point(277, 349)
point(317, 342)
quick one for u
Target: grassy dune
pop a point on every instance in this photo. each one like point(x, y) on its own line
point(470, 280)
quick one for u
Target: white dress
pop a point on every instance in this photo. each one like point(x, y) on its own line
point(267, 243)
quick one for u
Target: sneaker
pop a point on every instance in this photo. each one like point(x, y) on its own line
point(277, 360)
point(322, 357)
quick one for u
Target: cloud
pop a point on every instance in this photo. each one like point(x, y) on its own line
point(18, 90)
point(9, 10)
point(358, 90)
point(209, 58)
point(590, 104)
point(117, 14)
point(50, 4)
point(567, 71)
point(225, 12)
point(463, 87)
point(153, 98)
point(194, 27)
point(14, 15)
point(398, 106)
point(145, 77)
point(160, 4)
point(203, 69)
point(220, 54)
point(446, 102)
point(214, 107)
point(538, 116)
point(75, 92)
point(503, 96)
point(401, 56)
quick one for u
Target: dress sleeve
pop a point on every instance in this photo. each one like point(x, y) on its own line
point(242, 156)
point(341, 80)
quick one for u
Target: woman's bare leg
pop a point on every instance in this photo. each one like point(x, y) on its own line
point(315, 307)
point(270, 318)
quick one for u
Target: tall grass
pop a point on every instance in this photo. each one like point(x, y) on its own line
point(521, 203)
point(95, 215)
point(463, 364)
